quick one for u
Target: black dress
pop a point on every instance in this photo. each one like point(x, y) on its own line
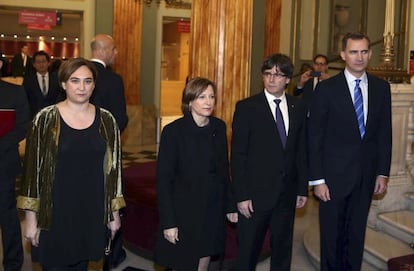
point(212, 222)
point(77, 231)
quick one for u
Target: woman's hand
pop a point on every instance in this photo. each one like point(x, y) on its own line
point(115, 224)
point(171, 235)
point(233, 217)
point(31, 233)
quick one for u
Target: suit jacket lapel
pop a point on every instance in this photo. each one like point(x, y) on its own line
point(267, 114)
point(291, 112)
point(371, 98)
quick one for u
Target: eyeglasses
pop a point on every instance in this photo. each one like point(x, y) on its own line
point(320, 63)
point(269, 75)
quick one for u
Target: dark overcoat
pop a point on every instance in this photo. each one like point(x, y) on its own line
point(183, 189)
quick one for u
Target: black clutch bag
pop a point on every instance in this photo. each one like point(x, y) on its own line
point(107, 261)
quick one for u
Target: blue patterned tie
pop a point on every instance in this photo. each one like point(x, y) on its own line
point(359, 107)
point(280, 123)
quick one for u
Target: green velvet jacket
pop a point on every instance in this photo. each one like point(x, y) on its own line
point(42, 143)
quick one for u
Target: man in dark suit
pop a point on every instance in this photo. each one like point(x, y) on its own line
point(15, 112)
point(109, 94)
point(3, 65)
point(42, 87)
point(308, 80)
point(349, 153)
point(268, 165)
point(21, 63)
point(109, 89)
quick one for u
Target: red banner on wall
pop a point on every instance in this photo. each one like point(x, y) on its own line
point(183, 26)
point(43, 27)
point(37, 17)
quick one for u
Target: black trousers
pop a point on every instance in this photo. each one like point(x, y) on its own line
point(342, 229)
point(251, 233)
point(9, 222)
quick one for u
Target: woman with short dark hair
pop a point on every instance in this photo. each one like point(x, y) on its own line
point(71, 185)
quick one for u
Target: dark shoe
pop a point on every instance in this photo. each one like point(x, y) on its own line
point(119, 260)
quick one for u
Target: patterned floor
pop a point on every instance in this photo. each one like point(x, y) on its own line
point(129, 157)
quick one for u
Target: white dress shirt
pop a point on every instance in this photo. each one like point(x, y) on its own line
point(283, 108)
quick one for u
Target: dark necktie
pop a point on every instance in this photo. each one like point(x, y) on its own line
point(44, 90)
point(359, 107)
point(280, 123)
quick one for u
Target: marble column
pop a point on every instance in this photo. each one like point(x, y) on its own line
point(220, 50)
point(402, 163)
point(127, 29)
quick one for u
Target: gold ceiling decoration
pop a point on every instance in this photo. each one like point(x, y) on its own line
point(186, 4)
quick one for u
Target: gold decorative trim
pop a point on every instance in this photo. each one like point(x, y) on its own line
point(26, 203)
point(118, 203)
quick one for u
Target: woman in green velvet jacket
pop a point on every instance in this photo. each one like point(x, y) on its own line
point(71, 185)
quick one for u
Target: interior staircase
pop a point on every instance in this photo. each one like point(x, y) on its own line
point(393, 237)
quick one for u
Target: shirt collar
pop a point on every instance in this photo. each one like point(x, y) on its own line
point(40, 75)
point(270, 98)
point(350, 78)
point(99, 61)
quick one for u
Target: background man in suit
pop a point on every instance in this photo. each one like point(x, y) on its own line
point(268, 166)
point(3, 65)
point(109, 94)
point(109, 89)
point(11, 97)
point(308, 80)
point(349, 153)
point(42, 87)
point(21, 62)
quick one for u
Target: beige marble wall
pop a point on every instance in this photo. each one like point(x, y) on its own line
point(142, 126)
point(402, 163)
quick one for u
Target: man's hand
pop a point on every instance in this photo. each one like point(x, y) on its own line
point(233, 217)
point(301, 201)
point(171, 235)
point(303, 78)
point(245, 208)
point(380, 185)
point(322, 192)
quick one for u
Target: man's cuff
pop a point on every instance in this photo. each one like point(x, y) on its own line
point(316, 182)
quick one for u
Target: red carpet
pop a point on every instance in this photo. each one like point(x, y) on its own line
point(140, 223)
point(403, 263)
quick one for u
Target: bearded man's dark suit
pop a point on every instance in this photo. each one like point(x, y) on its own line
point(269, 175)
point(34, 93)
point(348, 164)
point(11, 97)
point(109, 94)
